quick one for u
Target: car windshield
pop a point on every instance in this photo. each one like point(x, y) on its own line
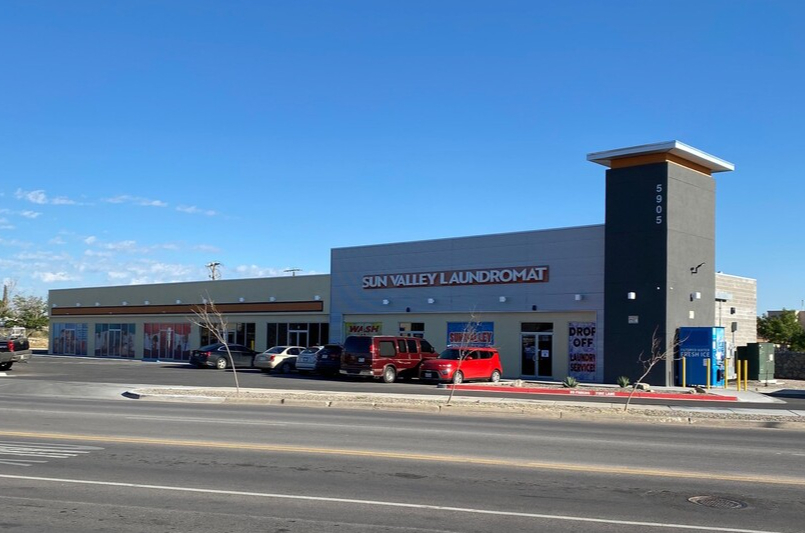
point(276, 349)
point(310, 351)
point(450, 353)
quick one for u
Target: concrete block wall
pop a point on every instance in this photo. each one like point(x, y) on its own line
point(742, 294)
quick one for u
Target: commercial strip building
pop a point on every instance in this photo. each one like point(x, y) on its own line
point(582, 301)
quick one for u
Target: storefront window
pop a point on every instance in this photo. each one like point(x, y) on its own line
point(236, 333)
point(412, 329)
point(167, 341)
point(298, 334)
point(114, 340)
point(69, 339)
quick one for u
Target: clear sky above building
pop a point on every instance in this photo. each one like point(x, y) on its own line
point(141, 140)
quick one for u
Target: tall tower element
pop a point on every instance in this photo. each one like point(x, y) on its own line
point(659, 264)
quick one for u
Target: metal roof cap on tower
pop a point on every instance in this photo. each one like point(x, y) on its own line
point(679, 149)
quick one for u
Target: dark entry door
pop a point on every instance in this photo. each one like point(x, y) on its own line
point(528, 354)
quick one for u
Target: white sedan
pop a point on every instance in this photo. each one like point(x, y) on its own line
point(279, 358)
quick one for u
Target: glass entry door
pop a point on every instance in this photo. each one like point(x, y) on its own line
point(545, 355)
point(528, 354)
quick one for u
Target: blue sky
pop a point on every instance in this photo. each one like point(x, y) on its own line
point(140, 140)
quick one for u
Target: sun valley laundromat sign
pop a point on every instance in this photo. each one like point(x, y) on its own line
point(449, 278)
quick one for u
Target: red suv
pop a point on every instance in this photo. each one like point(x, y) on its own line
point(384, 357)
point(463, 364)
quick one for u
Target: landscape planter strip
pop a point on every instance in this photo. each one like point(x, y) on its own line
point(609, 394)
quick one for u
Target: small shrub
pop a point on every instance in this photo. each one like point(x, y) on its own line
point(623, 381)
point(570, 382)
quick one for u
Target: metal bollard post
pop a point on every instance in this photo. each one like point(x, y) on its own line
point(684, 377)
point(708, 374)
point(738, 374)
point(746, 374)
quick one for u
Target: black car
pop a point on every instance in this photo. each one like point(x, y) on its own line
point(216, 356)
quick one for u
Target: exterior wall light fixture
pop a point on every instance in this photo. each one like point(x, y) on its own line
point(241, 299)
point(125, 302)
point(385, 301)
point(631, 296)
point(146, 302)
point(178, 301)
point(77, 304)
point(431, 300)
point(502, 299)
point(579, 297)
point(97, 304)
point(317, 298)
point(272, 299)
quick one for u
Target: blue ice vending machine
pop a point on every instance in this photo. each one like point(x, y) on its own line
point(702, 347)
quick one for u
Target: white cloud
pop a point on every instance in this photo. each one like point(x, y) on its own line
point(92, 239)
point(40, 197)
point(117, 275)
point(254, 271)
point(121, 246)
point(193, 210)
point(57, 240)
point(136, 200)
point(50, 277)
point(30, 214)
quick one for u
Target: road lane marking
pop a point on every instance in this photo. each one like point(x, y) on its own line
point(442, 508)
point(403, 456)
point(34, 452)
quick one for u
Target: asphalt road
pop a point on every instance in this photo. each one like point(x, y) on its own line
point(73, 465)
point(77, 457)
point(50, 370)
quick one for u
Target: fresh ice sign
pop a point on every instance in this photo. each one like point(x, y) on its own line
point(583, 359)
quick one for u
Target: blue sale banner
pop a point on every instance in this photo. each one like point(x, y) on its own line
point(471, 333)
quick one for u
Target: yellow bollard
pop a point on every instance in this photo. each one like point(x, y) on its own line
point(708, 374)
point(746, 374)
point(738, 373)
point(684, 378)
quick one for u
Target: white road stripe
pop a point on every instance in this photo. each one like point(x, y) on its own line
point(49, 451)
point(393, 504)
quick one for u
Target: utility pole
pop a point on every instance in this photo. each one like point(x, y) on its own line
point(214, 272)
point(293, 271)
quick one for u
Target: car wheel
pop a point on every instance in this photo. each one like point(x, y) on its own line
point(495, 377)
point(389, 374)
point(285, 368)
point(458, 378)
point(220, 363)
point(6, 366)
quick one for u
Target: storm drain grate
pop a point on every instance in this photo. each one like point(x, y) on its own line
point(717, 503)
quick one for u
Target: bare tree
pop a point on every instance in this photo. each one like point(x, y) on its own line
point(208, 317)
point(657, 355)
point(468, 338)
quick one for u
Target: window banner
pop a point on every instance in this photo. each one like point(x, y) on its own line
point(582, 355)
point(363, 328)
point(470, 333)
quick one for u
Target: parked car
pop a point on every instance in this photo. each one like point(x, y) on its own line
point(216, 356)
point(325, 359)
point(384, 357)
point(457, 365)
point(279, 358)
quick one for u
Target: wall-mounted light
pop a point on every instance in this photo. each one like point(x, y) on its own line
point(272, 299)
point(317, 298)
point(385, 301)
point(125, 302)
point(54, 306)
point(146, 302)
point(431, 300)
point(178, 301)
point(502, 299)
point(695, 296)
point(241, 299)
point(631, 296)
point(77, 304)
point(97, 304)
point(204, 300)
point(578, 297)
point(407, 309)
